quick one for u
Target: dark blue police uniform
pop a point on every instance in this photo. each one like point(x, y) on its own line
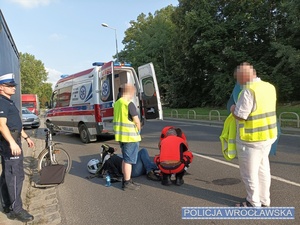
point(12, 176)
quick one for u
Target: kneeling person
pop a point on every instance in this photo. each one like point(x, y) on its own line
point(174, 155)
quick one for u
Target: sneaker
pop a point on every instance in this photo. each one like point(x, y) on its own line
point(22, 216)
point(152, 176)
point(130, 185)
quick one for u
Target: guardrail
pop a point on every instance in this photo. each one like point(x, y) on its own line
point(191, 114)
point(289, 120)
point(214, 115)
point(194, 112)
point(288, 125)
point(174, 110)
point(210, 112)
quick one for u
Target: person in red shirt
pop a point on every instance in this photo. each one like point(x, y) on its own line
point(174, 155)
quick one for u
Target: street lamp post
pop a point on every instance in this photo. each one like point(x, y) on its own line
point(105, 25)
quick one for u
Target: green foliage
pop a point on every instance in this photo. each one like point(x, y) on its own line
point(46, 93)
point(196, 46)
point(33, 78)
point(149, 39)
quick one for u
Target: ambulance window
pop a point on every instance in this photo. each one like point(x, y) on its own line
point(54, 99)
point(64, 96)
point(148, 86)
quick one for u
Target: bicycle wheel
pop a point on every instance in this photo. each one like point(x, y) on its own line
point(60, 156)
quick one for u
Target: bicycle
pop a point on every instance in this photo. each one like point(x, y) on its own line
point(53, 155)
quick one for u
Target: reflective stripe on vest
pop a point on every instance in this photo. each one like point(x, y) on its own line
point(261, 124)
point(125, 130)
point(231, 151)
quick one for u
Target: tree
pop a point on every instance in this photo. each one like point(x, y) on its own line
point(33, 77)
point(149, 39)
point(287, 46)
point(215, 36)
point(46, 93)
point(196, 46)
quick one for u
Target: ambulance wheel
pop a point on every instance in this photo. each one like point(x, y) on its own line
point(84, 133)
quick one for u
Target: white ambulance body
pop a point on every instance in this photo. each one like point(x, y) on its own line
point(82, 103)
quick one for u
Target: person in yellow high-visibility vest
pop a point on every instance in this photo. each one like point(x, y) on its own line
point(127, 128)
point(255, 112)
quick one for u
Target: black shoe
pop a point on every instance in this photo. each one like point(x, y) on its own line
point(166, 180)
point(130, 185)
point(179, 181)
point(152, 176)
point(23, 216)
point(6, 209)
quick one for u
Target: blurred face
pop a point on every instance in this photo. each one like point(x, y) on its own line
point(245, 73)
point(7, 90)
point(129, 91)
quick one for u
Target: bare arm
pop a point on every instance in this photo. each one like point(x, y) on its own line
point(27, 138)
point(137, 122)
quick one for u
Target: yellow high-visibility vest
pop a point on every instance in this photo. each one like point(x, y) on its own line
point(228, 137)
point(261, 124)
point(125, 130)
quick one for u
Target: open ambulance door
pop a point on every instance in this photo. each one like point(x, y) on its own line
point(107, 95)
point(150, 94)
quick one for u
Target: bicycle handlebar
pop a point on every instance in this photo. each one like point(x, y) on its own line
point(47, 130)
point(52, 126)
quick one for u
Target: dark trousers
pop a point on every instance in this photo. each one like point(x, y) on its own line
point(177, 175)
point(114, 165)
point(11, 182)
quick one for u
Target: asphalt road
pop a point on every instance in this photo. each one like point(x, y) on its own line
point(211, 182)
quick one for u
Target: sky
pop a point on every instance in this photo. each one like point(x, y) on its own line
point(67, 36)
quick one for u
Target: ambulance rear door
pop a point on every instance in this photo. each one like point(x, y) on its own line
point(150, 94)
point(107, 96)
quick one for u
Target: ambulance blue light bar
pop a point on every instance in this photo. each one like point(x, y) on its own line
point(122, 64)
point(64, 75)
point(98, 63)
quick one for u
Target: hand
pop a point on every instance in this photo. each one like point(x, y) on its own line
point(30, 143)
point(15, 149)
point(232, 108)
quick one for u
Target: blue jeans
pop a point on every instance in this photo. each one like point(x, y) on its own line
point(143, 165)
point(130, 151)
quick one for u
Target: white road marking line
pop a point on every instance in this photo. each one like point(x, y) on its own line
point(236, 166)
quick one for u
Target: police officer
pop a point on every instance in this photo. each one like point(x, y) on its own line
point(11, 131)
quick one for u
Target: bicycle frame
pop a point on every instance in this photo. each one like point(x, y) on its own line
point(49, 145)
point(53, 155)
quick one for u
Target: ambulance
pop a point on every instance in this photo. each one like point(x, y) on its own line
point(82, 103)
